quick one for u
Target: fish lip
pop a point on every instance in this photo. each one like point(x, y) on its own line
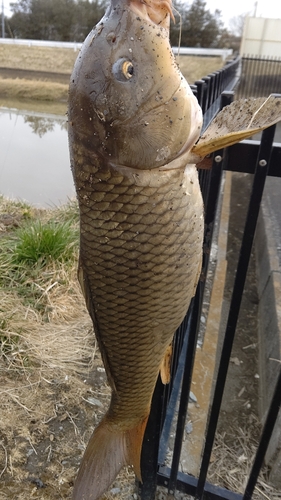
point(154, 11)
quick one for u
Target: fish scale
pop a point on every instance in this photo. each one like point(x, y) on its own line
point(164, 259)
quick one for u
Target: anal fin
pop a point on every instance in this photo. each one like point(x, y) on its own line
point(165, 367)
point(135, 439)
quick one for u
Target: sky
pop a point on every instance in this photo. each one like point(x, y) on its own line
point(228, 8)
point(6, 4)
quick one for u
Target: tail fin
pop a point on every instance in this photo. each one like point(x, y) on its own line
point(107, 452)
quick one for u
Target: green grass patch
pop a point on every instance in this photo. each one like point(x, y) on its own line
point(39, 243)
point(37, 249)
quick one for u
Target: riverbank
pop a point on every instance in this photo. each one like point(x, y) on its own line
point(43, 73)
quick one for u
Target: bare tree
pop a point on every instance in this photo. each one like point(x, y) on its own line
point(199, 27)
point(63, 20)
point(236, 24)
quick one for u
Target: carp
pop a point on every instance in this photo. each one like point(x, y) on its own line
point(133, 127)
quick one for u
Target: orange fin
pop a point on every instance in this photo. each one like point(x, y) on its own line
point(165, 367)
point(107, 452)
point(135, 439)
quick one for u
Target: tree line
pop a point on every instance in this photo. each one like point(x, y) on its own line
point(72, 20)
point(59, 20)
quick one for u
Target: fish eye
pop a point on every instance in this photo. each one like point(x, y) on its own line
point(123, 69)
point(127, 69)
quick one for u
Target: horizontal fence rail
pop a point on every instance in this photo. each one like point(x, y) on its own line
point(191, 51)
point(170, 403)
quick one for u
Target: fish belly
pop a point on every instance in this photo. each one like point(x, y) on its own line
point(140, 255)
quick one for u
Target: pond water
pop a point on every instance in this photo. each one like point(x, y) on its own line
point(34, 157)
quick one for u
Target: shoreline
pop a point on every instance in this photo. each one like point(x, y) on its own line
point(37, 90)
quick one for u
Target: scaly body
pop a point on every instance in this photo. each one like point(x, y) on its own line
point(132, 122)
point(141, 242)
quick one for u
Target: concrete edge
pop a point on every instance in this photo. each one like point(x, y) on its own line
point(204, 371)
point(269, 329)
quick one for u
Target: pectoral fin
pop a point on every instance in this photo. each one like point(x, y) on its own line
point(238, 121)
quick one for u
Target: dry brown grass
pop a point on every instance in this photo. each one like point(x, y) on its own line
point(51, 107)
point(33, 89)
point(62, 61)
point(193, 68)
point(232, 460)
point(51, 59)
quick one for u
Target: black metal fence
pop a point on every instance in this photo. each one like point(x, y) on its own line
point(170, 402)
point(260, 76)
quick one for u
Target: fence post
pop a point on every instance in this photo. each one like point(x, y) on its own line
point(150, 447)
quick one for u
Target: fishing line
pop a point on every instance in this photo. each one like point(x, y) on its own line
point(180, 32)
point(257, 111)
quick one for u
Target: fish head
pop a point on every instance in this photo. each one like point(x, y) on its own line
point(128, 101)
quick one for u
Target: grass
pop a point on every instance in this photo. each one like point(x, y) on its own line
point(33, 89)
point(51, 59)
point(46, 343)
point(39, 243)
point(42, 248)
point(39, 291)
point(56, 60)
point(194, 68)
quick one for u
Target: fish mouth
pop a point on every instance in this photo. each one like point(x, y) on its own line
point(157, 11)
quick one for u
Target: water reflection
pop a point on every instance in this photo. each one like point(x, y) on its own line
point(34, 158)
point(41, 125)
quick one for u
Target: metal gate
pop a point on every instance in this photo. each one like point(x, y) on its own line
point(169, 402)
point(260, 76)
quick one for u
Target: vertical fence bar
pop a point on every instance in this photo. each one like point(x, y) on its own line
point(149, 455)
point(264, 67)
point(178, 368)
point(216, 171)
point(200, 90)
point(205, 103)
point(211, 203)
point(243, 262)
point(264, 440)
point(260, 76)
point(188, 367)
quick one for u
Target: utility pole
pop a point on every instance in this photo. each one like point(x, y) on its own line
point(255, 11)
point(3, 20)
